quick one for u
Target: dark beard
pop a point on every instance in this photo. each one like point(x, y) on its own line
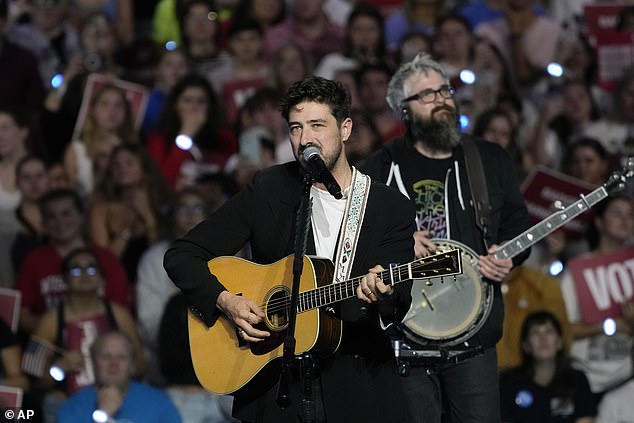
point(437, 133)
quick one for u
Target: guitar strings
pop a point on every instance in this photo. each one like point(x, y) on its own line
point(283, 304)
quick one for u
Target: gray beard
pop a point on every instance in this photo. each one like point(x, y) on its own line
point(440, 135)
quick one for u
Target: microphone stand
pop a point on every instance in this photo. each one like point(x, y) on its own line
point(283, 398)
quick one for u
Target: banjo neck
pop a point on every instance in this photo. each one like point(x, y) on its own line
point(556, 220)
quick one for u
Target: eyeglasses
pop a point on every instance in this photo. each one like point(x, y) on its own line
point(429, 95)
point(77, 271)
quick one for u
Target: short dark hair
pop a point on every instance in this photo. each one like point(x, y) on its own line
point(319, 90)
point(61, 194)
point(242, 24)
point(455, 17)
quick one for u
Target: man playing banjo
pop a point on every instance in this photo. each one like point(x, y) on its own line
point(433, 166)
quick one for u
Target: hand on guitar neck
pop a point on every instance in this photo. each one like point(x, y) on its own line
point(372, 289)
point(493, 268)
point(244, 313)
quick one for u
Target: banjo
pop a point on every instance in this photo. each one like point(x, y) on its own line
point(448, 311)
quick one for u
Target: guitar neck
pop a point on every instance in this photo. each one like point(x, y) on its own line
point(556, 220)
point(419, 268)
point(336, 292)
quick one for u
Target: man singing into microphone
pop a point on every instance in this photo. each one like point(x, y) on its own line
point(364, 231)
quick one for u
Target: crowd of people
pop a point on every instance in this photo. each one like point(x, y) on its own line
point(125, 125)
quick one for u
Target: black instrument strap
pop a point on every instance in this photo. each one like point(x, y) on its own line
point(477, 185)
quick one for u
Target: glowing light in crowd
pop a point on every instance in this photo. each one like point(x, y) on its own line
point(464, 122)
point(609, 327)
point(56, 373)
point(555, 69)
point(170, 45)
point(57, 80)
point(184, 142)
point(467, 76)
point(556, 267)
point(99, 416)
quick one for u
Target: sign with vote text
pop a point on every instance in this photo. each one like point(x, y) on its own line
point(603, 282)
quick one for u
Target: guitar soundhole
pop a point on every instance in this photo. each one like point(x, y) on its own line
point(275, 322)
point(277, 308)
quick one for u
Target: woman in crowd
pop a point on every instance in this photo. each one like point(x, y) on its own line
point(495, 125)
point(545, 388)
point(126, 208)
point(99, 45)
point(563, 119)
point(191, 111)
point(109, 122)
point(290, 63)
point(453, 43)
point(588, 160)
point(604, 358)
point(75, 324)
point(200, 30)
point(119, 12)
point(171, 68)
point(364, 42)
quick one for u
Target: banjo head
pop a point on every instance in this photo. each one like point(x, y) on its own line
point(447, 310)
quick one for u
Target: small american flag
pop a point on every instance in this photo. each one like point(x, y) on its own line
point(36, 356)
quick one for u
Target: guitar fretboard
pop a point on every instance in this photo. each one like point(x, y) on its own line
point(556, 220)
point(425, 267)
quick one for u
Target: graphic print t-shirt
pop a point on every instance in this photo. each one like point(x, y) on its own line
point(424, 179)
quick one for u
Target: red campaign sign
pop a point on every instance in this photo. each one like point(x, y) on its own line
point(545, 186)
point(236, 92)
point(615, 52)
point(602, 283)
point(601, 18)
point(10, 307)
point(136, 94)
point(10, 397)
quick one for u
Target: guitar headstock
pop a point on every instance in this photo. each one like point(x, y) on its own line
point(618, 179)
point(442, 264)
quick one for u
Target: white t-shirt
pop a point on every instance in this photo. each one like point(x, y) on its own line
point(617, 406)
point(326, 221)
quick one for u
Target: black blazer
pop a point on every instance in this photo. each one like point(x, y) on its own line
point(357, 377)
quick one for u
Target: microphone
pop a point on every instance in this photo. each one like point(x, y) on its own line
point(316, 166)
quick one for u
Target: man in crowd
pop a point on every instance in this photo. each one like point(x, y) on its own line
point(115, 395)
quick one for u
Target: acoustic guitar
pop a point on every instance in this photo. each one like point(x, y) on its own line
point(224, 362)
